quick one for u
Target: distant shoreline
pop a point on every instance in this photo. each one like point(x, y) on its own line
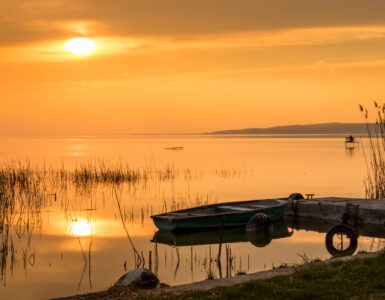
point(322, 128)
point(282, 136)
point(181, 136)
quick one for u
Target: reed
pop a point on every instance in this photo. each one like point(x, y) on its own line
point(23, 178)
point(375, 180)
point(210, 275)
point(35, 186)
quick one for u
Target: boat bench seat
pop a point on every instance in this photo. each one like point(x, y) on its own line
point(232, 208)
point(175, 214)
point(256, 206)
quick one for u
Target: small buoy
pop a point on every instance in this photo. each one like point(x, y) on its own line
point(295, 196)
point(139, 278)
point(341, 229)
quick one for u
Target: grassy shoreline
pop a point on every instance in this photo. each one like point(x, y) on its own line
point(361, 278)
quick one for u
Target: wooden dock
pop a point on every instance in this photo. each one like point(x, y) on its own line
point(354, 211)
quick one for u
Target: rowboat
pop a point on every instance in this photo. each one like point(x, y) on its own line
point(261, 238)
point(228, 214)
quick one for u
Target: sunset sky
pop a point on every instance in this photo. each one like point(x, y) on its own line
point(174, 66)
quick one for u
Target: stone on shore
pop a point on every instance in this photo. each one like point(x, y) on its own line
point(139, 278)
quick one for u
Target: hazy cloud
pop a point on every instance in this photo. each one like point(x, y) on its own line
point(23, 21)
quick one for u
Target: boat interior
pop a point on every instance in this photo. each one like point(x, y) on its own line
point(225, 208)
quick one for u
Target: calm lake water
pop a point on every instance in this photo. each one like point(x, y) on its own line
point(79, 243)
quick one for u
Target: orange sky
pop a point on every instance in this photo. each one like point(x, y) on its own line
point(187, 66)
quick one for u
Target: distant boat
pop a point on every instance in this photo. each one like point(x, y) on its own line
point(228, 214)
point(174, 148)
point(351, 141)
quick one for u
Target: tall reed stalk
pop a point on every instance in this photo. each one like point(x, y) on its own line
point(375, 180)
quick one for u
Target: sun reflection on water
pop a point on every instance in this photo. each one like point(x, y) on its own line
point(81, 228)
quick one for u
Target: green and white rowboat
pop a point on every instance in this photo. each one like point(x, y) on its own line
point(228, 214)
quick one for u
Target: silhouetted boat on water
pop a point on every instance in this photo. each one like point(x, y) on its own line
point(174, 148)
point(351, 141)
point(228, 214)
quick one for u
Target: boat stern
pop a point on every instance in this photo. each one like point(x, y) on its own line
point(163, 224)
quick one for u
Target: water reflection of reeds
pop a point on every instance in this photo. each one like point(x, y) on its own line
point(21, 202)
point(16, 247)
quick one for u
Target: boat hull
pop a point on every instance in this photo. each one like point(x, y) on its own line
point(215, 221)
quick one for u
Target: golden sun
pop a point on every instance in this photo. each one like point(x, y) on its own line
point(81, 228)
point(80, 46)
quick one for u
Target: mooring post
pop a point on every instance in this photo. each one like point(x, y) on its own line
point(309, 196)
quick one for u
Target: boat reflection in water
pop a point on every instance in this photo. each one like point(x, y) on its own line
point(260, 238)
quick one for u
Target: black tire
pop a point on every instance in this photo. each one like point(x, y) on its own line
point(258, 221)
point(339, 229)
point(259, 230)
point(295, 196)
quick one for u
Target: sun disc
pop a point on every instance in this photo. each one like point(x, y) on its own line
point(80, 46)
point(81, 228)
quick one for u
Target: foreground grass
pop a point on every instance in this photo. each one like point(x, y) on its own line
point(355, 279)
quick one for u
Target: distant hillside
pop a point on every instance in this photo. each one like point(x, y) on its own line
point(323, 128)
